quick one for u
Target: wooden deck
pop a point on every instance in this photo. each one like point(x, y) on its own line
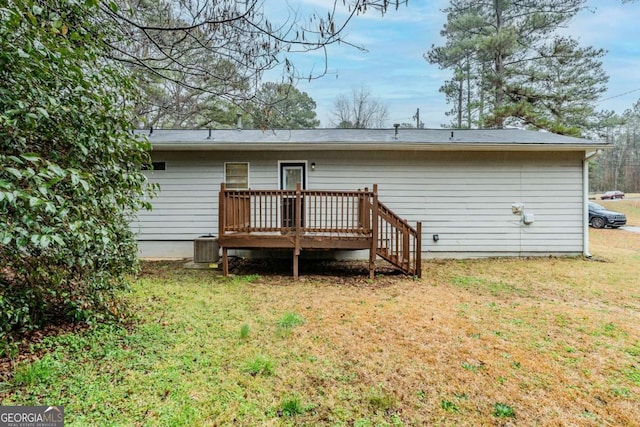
point(314, 220)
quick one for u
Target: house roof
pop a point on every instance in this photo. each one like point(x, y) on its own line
point(366, 139)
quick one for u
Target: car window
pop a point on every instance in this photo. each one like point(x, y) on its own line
point(596, 207)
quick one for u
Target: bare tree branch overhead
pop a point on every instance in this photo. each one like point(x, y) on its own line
point(223, 47)
point(358, 110)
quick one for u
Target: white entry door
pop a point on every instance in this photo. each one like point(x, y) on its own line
point(291, 174)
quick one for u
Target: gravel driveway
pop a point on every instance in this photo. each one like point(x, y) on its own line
point(630, 229)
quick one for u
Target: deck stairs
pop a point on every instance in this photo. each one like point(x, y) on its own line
point(397, 241)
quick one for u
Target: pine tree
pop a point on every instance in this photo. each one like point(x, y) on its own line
point(510, 67)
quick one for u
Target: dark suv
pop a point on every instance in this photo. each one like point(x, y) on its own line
point(600, 217)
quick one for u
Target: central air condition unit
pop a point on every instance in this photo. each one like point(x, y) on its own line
point(206, 249)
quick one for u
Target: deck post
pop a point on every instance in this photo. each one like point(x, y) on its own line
point(221, 210)
point(295, 266)
point(366, 210)
point(419, 249)
point(406, 246)
point(225, 261)
point(374, 233)
point(298, 222)
point(222, 219)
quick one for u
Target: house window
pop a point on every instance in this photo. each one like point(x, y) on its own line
point(156, 166)
point(236, 175)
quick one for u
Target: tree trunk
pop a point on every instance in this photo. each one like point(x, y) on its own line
point(499, 69)
point(460, 98)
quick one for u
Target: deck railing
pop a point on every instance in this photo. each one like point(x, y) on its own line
point(255, 211)
point(332, 213)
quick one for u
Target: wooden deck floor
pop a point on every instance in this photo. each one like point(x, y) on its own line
point(308, 240)
point(316, 220)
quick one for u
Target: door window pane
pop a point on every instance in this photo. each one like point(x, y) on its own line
point(292, 176)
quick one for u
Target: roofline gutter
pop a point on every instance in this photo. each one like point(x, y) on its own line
point(378, 146)
point(585, 200)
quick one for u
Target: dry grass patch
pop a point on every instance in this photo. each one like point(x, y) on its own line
point(551, 341)
point(630, 207)
point(552, 359)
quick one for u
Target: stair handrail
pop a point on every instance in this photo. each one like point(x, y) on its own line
point(409, 257)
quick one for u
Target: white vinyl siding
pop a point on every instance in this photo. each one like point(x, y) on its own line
point(186, 206)
point(464, 197)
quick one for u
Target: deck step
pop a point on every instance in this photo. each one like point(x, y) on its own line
point(404, 265)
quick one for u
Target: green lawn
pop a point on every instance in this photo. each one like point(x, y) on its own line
point(481, 342)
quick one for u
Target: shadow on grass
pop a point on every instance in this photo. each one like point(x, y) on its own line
point(310, 267)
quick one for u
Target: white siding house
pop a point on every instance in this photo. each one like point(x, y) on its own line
point(463, 185)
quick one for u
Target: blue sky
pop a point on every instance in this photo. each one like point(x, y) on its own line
point(395, 71)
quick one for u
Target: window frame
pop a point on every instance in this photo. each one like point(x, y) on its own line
point(226, 183)
point(151, 166)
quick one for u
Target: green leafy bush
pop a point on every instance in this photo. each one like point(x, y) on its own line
point(70, 167)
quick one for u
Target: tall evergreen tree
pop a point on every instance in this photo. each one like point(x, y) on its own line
point(285, 107)
point(510, 67)
point(557, 91)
